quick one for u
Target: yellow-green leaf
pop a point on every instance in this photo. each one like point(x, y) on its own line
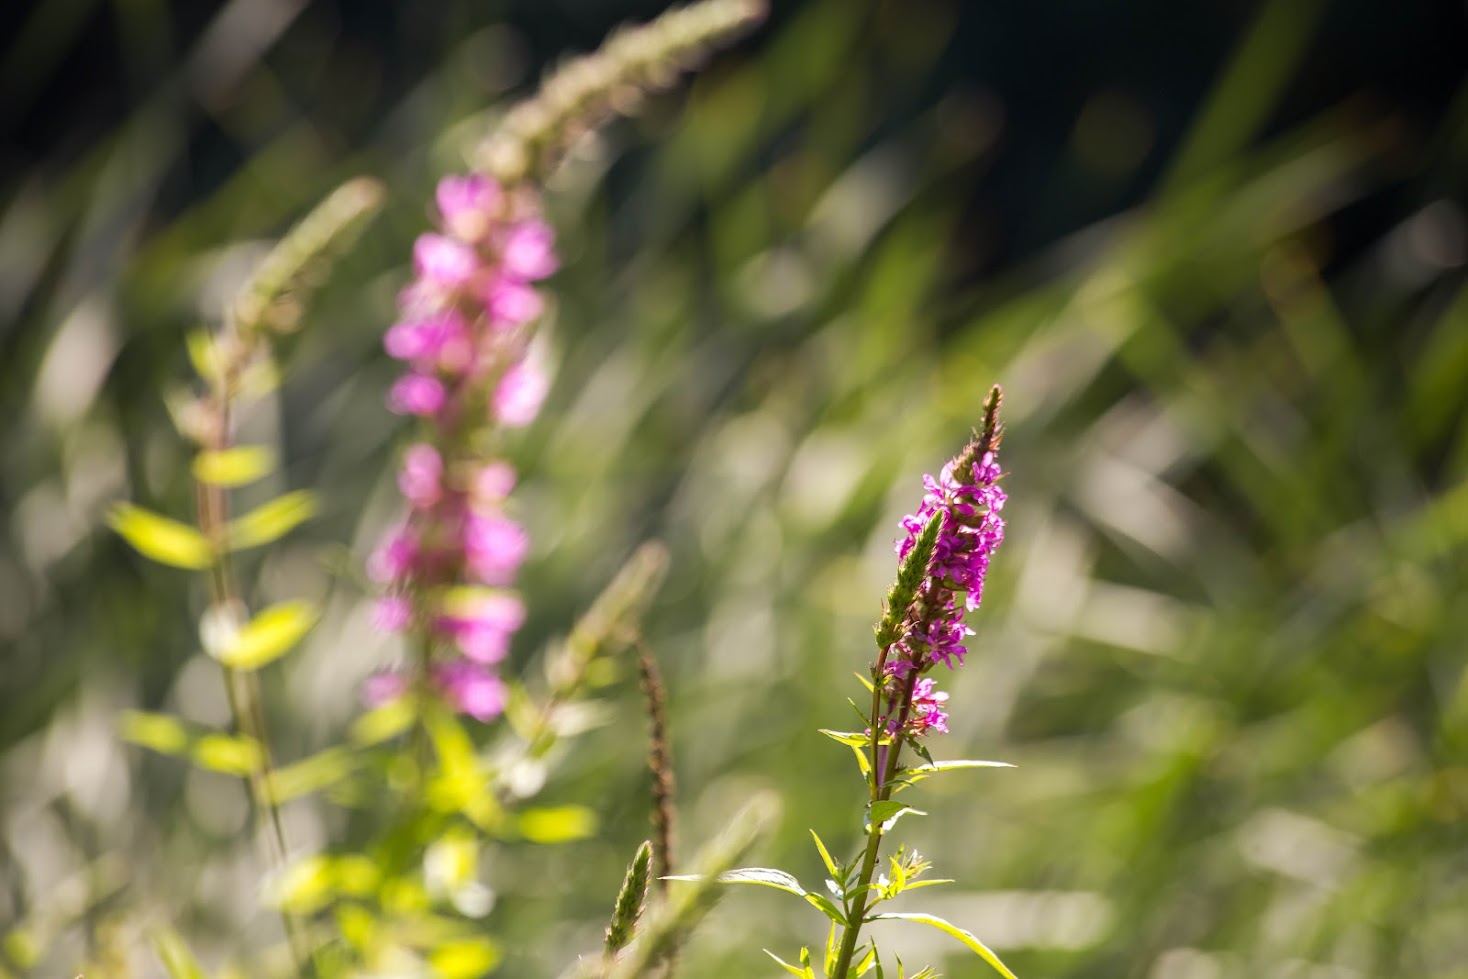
point(271, 521)
point(234, 467)
point(465, 959)
point(160, 538)
point(952, 929)
point(202, 354)
point(320, 771)
point(269, 635)
point(557, 824)
point(20, 947)
point(232, 755)
point(160, 732)
point(305, 886)
point(178, 961)
point(382, 723)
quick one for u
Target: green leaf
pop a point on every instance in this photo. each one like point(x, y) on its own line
point(952, 929)
point(557, 824)
point(864, 965)
point(888, 812)
point(305, 886)
point(230, 754)
point(319, 771)
point(271, 521)
point(382, 723)
point(202, 354)
point(827, 907)
point(766, 876)
point(804, 973)
point(162, 733)
point(160, 538)
point(269, 635)
point(826, 856)
point(234, 466)
point(21, 948)
point(466, 958)
point(911, 776)
point(854, 738)
point(178, 960)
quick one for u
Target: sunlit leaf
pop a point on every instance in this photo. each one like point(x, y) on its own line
point(234, 466)
point(162, 733)
point(854, 738)
point(934, 921)
point(382, 723)
point(20, 946)
point(912, 776)
point(230, 754)
point(269, 635)
point(886, 813)
point(271, 521)
point(160, 538)
point(305, 886)
point(465, 959)
point(805, 973)
point(557, 824)
point(178, 960)
point(826, 856)
point(202, 354)
point(320, 771)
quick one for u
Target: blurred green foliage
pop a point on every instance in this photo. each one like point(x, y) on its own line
point(1221, 643)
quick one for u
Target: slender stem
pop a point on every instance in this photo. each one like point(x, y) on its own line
point(242, 688)
point(880, 782)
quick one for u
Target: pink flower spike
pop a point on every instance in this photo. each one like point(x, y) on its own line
point(392, 613)
point(444, 262)
point(421, 340)
point(494, 482)
point(519, 395)
point(494, 547)
point(468, 205)
point(393, 558)
point(472, 690)
point(512, 303)
point(383, 688)
point(529, 250)
point(421, 478)
point(416, 394)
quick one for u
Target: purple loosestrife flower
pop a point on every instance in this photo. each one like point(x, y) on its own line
point(465, 322)
point(945, 557)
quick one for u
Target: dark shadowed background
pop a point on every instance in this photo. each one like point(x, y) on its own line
point(1214, 251)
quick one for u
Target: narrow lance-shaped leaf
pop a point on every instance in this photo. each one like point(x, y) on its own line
point(271, 521)
point(162, 733)
point(802, 972)
point(269, 635)
point(968, 939)
point(911, 776)
point(630, 900)
point(160, 538)
point(178, 959)
point(234, 466)
point(230, 754)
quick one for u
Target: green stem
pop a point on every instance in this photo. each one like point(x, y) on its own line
point(880, 783)
point(242, 688)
